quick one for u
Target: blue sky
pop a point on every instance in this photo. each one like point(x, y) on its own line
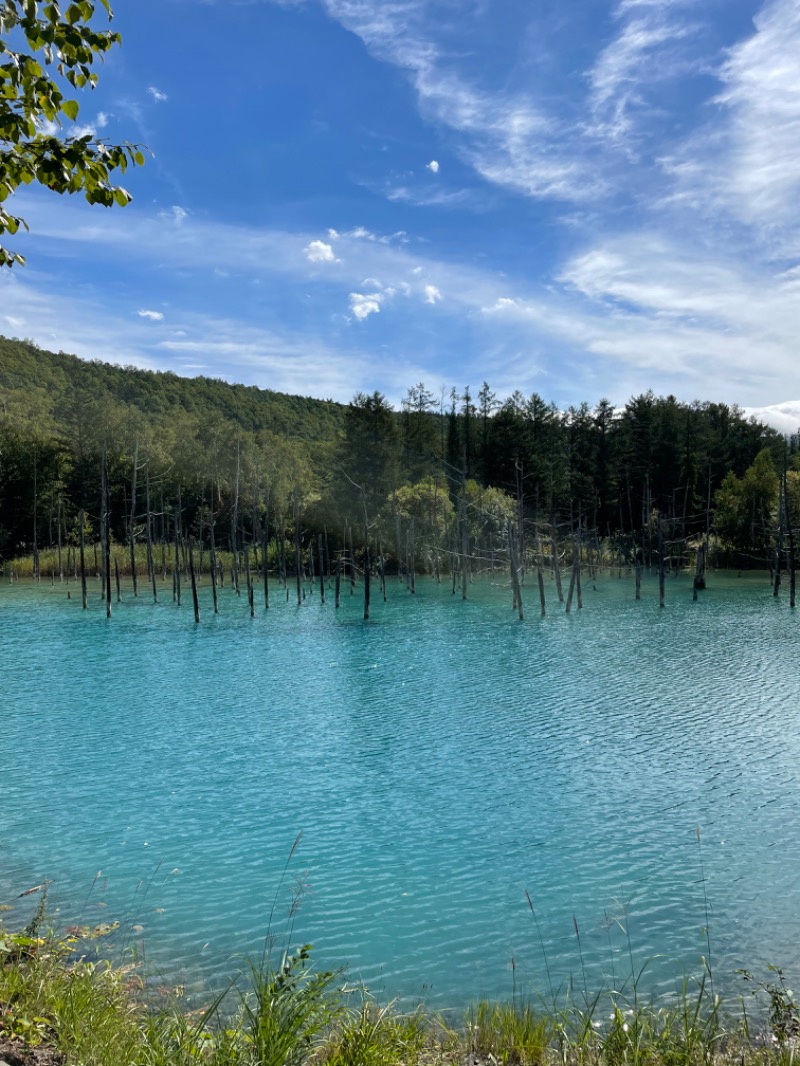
point(584, 198)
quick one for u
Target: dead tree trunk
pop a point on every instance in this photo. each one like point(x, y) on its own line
point(82, 539)
point(366, 580)
point(540, 577)
point(248, 579)
point(790, 536)
point(264, 545)
point(573, 575)
point(58, 519)
point(515, 587)
point(556, 563)
point(213, 563)
point(320, 545)
point(779, 543)
point(106, 545)
point(195, 601)
point(700, 568)
point(177, 579)
point(464, 535)
point(151, 566)
point(297, 547)
point(132, 522)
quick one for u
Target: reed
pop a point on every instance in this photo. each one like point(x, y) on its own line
point(62, 1004)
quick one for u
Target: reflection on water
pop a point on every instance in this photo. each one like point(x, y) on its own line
point(441, 761)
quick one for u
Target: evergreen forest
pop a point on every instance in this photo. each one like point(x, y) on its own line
point(447, 482)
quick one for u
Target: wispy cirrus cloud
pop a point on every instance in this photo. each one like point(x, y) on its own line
point(741, 167)
point(507, 138)
point(640, 56)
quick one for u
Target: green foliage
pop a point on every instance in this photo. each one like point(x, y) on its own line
point(95, 1014)
point(513, 1035)
point(744, 507)
point(242, 458)
point(62, 48)
point(376, 1036)
point(287, 1010)
point(784, 1010)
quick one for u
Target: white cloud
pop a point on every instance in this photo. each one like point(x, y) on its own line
point(743, 165)
point(633, 311)
point(435, 198)
point(14, 322)
point(158, 95)
point(319, 252)
point(785, 417)
point(432, 294)
point(102, 120)
point(175, 215)
point(154, 316)
point(762, 92)
point(638, 56)
point(433, 166)
point(507, 138)
point(365, 304)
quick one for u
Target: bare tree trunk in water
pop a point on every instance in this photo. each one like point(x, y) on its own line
point(556, 563)
point(512, 556)
point(106, 546)
point(151, 565)
point(177, 578)
point(132, 522)
point(213, 563)
point(297, 546)
point(195, 601)
point(82, 520)
point(790, 534)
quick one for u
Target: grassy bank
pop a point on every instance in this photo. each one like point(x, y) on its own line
point(60, 1005)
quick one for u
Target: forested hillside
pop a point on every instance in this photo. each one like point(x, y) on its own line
point(150, 456)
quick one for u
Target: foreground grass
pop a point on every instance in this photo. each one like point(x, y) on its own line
point(56, 1007)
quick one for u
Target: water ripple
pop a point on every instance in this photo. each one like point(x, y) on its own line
point(441, 761)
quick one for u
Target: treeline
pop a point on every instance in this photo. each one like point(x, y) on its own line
point(444, 481)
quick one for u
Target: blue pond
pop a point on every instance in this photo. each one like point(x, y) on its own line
point(441, 761)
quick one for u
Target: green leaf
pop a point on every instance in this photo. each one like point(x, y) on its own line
point(71, 109)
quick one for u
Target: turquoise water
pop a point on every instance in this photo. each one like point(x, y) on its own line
point(440, 761)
